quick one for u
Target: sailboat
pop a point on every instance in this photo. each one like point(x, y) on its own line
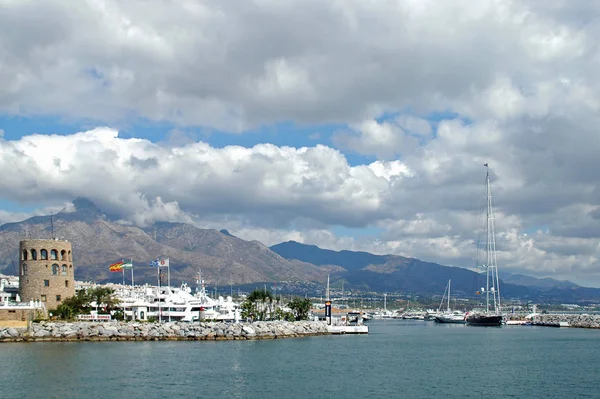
point(449, 316)
point(492, 315)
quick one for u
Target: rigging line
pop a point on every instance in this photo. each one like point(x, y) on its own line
point(480, 239)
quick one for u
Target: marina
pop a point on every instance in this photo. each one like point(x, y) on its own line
point(405, 355)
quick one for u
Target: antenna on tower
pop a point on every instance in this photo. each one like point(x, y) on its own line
point(52, 223)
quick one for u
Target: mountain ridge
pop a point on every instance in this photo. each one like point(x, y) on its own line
point(99, 239)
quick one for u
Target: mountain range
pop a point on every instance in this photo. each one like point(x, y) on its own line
point(99, 239)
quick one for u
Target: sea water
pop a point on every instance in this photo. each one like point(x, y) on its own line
point(398, 358)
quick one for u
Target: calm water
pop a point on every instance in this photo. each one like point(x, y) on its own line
point(409, 359)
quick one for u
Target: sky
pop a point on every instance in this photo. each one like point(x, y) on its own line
point(359, 125)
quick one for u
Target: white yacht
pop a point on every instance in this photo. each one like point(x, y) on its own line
point(450, 316)
point(175, 304)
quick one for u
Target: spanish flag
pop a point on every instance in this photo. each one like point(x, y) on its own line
point(116, 267)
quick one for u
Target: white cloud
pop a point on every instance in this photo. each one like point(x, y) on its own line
point(231, 65)
point(275, 194)
point(515, 84)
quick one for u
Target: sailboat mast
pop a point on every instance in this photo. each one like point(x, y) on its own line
point(491, 259)
point(488, 241)
point(448, 307)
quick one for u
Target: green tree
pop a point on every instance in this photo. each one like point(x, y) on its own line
point(73, 306)
point(257, 305)
point(81, 302)
point(249, 310)
point(300, 307)
point(103, 296)
point(280, 314)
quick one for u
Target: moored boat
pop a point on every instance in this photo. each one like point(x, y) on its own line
point(450, 316)
point(492, 315)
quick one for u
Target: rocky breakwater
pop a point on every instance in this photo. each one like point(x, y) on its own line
point(171, 331)
point(567, 320)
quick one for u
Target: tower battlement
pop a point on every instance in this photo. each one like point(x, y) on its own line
point(46, 271)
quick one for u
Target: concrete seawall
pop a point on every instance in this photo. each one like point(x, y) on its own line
point(172, 331)
point(567, 320)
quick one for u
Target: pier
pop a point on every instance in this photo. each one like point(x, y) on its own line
point(171, 331)
point(567, 320)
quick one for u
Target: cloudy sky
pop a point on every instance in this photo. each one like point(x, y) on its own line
point(348, 124)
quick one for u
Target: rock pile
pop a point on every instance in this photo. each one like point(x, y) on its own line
point(567, 320)
point(171, 331)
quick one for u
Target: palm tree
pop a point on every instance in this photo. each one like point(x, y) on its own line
point(262, 296)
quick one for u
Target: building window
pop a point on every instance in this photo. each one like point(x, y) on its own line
point(24, 254)
point(54, 254)
point(43, 254)
point(24, 269)
point(66, 283)
point(33, 254)
point(64, 270)
point(63, 255)
point(46, 283)
point(70, 260)
point(55, 269)
point(58, 298)
point(43, 298)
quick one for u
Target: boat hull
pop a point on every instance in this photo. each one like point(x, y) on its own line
point(485, 320)
point(348, 329)
point(449, 320)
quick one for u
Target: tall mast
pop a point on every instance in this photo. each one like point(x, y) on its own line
point(385, 302)
point(327, 292)
point(492, 281)
point(448, 307)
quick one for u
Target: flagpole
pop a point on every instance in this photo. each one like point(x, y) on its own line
point(169, 282)
point(159, 312)
point(131, 272)
point(123, 270)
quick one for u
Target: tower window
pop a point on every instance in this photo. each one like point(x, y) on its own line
point(46, 283)
point(43, 298)
point(54, 254)
point(63, 255)
point(43, 254)
point(66, 283)
point(64, 270)
point(24, 254)
point(33, 254)
point(55, 269)
point(24, 269)
point(58, 298)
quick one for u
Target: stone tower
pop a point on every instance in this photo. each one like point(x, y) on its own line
point(46, 271)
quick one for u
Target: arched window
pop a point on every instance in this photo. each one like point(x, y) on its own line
point(43, 254)
point(55, 269)
point(64, 270)
point(24, 254)
point(63, 255)
point(33, 254)
point(54, 254)
point(24, 269)
point(70, 260)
